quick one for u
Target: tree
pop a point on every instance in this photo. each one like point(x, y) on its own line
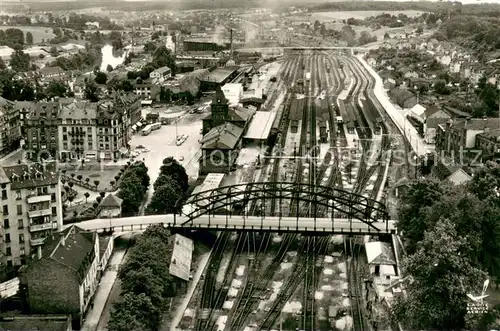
point(70, 199)
point(2, 64)
point(53, 51)
point(132, 313)
point(87, 180)
point(176, 171)
point(96, 183)
point(29, 38)
point(442, 276)
point(79, 177)
point(109, 68)
point(57, 89)
point(91, 92)
point(441, 88)
point(165, 199)
point(101, 78)
point(87, 195)
point(149, 47)
point(420, 196)
point(163, 57)
point(19, 61)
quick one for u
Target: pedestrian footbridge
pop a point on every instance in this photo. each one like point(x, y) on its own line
point(266, 206)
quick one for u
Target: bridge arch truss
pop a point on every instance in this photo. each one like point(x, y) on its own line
point(286, 199)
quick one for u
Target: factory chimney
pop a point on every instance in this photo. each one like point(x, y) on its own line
point(231, 42)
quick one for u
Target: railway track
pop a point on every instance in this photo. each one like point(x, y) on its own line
point(251, 293)
point(213, 295)
point(311, 247)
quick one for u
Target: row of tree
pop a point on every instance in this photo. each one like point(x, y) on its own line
point(146, 284)
point(133, 187)
point(452, 236)
point(170, 188)
point(14, 38)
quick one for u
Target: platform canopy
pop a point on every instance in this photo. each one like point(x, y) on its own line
point(261, 125)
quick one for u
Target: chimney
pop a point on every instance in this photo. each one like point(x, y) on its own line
point(39, 252)
point(63, 239)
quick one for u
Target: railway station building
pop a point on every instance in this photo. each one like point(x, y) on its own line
point(223, 132)
point(217, 77)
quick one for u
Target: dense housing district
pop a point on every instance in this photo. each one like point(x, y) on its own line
point(321, 167)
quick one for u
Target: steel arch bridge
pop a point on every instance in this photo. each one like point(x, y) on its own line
point(286, 199)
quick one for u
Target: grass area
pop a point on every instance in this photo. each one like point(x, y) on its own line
point(79, 209)
point(38, 32)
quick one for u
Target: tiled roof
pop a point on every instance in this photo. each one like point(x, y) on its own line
point(111, 201)
point(493, 135)
point(224, 136)
point(477, 124)
point(31, 175)
point(72, 251)
point(79, 110)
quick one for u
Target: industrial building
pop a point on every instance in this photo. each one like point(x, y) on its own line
point(218, 77)
point(200, 45)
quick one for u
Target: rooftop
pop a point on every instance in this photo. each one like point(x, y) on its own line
point(378, 252)
point(71, 249)
point(261, 125)
point(79, 110)
point(111, 201)
point(24, 176)
point(224, 136)
point(182, 253)
point(493, 135)
point(477, 124)
point(219, 75)
point(35, 323)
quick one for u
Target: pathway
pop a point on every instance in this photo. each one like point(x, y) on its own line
point(101, 297)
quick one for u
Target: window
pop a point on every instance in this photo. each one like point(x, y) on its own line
point(45, 190)
point(7, 237)
point(8, 251)
point(9, 263)
point(21, 238)
point(65, 145)
point(65, 137)
point(19, 209)
point(6, 223)
point(54, 211)
point(18, 195)
point(65, 130)
point(53, 197)
point(22, 251)
point(4, 194)
point(90, 145)
point(20, 224)
point(5, 210)
point(89, 129)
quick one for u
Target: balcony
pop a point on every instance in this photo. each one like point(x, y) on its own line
point(36, 241)
point(40, 212)
point(39, 198)
point(42, 227)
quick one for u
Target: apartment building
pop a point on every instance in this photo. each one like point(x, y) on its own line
point(39, 128)
point(63, 277)
point(489, 143)
point(456, 138)
point(77, 129)
point(31, 209)
point(115, 118)
point(10, 129)
point(68, 129)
